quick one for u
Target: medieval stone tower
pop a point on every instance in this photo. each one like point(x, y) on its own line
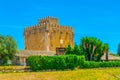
point(47, 35)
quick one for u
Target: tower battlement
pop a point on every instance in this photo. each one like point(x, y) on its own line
point(48, 20)
point(59, 27)
point(46, 35)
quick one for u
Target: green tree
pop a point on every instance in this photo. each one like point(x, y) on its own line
point(118, 52)
point(8, 49)
point(77, 50)
point(69, 50)
point(93, 48)
point(105, 50)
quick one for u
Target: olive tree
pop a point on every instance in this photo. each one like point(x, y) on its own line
point(8, 49)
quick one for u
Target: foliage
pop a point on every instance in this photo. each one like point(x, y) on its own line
point(76, 50)
point(118, 52)
point(92, 64)
point(8, 49)
point(69, 50)
point(59, 62)
point(74, 61)
point(93, 48)
point(37, 63)
point(55, 62)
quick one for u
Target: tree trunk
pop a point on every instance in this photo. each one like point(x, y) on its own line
point(88, 56)
point(106, 56)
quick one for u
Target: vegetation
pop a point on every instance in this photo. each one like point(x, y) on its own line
point(93, 48)
point(82, 74)
point(69, 50)
point(8, 49)
point(55, 62)
point(38, 63)
point(74, 51)
point(90, 47)
point(92, 64)
point(77, 50)
point(118, 52)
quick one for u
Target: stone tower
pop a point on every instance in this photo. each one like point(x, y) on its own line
point(47, 35)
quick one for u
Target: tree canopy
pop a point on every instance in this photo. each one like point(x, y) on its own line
point(8, 49)
point(93, 48)
point(69, 49)
point(76, 50)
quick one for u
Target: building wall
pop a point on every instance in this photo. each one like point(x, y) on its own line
point(47, 35)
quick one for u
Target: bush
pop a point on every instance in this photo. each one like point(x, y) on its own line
point(59, 62)
point(55, 62)
point(34, 62)
point(37, 63)
point(75, 61)
point(92, 64)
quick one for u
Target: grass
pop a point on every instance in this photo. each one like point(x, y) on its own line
point(13, 67)
point(82, 74)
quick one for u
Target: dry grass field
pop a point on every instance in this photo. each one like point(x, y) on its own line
point(81, 74)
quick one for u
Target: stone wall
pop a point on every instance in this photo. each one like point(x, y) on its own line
point(21, 57)
point(48, 35)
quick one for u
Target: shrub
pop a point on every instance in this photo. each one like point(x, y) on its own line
point(55, 62)
point(59, 62)
point(71, 62)
point(37, 63)
point(92, 64)
point(34, 62)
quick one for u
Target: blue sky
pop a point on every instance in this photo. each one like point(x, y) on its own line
point(97, 18)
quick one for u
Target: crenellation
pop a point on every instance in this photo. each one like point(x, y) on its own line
point(43, 19)
point(48, 17)
point(30, 28)
point(25, 29)
point(48, 33)
point(40, 25)
point(37, 27)
point(33, 27)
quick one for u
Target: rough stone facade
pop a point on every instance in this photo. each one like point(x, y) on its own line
point(47, 35)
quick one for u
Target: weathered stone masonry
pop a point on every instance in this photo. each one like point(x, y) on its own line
point(47, 35)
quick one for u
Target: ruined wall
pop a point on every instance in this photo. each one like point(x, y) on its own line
point(47, 35)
